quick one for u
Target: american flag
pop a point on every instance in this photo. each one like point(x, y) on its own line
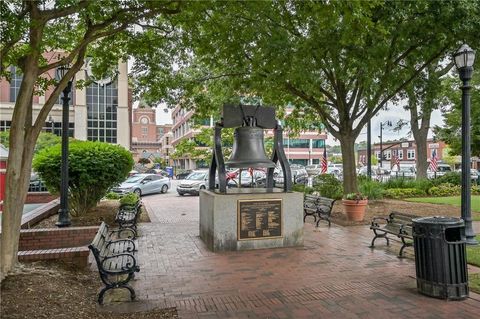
point(433, 161)
point(395, 161)
point(324, 162)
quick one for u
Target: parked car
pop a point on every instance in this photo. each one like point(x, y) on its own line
point(158, 171)
point(442, 169)
point(184, 174)
point(299, 176)
point(193, 183)
point(142, 184)
point(404, 171)
point(474, 175)
point(255, 178)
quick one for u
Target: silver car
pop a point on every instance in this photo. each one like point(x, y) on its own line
point(193, 183)
point(142, 184)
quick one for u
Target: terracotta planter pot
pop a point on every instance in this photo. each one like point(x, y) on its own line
point(355, 210)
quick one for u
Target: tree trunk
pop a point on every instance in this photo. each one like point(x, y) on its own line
point(420, 136)
point(347, 144)
point(19, 165)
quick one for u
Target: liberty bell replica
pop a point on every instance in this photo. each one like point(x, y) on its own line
point(248, 150)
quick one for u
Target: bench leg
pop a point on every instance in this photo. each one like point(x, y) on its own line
point(102, 293)
point(305, 217)
point(327, 219)
point(377, 235)
point(405, 245)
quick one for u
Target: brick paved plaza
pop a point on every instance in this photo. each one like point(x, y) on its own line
point(335, 274)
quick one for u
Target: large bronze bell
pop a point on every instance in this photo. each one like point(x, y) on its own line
point(248, 149)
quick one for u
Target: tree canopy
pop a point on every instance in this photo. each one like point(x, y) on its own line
point(340, 60)
point(451, 131)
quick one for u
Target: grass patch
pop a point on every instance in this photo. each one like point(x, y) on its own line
point(451, 200)
point(473, 253)
point(474, 283)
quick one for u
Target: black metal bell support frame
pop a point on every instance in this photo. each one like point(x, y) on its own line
point(262, 117)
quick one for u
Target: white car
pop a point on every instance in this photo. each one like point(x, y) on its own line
point(442, 169)
point(473, 175)
point(193, 183)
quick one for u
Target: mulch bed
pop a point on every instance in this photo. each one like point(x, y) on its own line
point(386, 206)
point(55, 290)
point(104, 212)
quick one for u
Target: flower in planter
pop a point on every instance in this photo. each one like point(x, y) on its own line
point(355, 196)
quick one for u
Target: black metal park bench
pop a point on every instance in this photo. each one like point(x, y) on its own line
point(127, 216)
point(397, 224)
point(115, 260)
point(318, 206)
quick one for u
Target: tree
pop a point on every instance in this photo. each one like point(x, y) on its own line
point(342, 61)
point(424, 95)
point(94, 167)
point(31, 29)
point(45, 139)
point(451, 131)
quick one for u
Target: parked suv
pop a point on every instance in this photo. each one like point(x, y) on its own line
point(315, 169)
point(193, 183)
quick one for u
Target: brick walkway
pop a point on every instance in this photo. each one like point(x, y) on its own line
point(335, 274)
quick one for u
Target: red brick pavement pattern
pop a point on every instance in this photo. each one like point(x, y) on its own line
point(335, 275)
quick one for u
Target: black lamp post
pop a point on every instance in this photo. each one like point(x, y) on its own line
point(52, 122)
point(63, 215)
point(386, 123)
point(464, 59)
point(369, 149)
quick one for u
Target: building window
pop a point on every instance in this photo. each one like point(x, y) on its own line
point(296, 143)
point(5, 125)
point(411, 154)
point(318, 143)
point(387, 154)
point(377, 154)
point(400, 154)
point(102, 102)
point(15, 84)
point(144, 131)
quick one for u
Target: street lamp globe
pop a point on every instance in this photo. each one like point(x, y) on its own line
point(464, 57)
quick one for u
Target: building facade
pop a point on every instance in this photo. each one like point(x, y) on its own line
point(406, 151)
point(98, 112)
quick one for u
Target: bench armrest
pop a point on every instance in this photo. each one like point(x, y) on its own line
point(130, 265)
point(376, 218)
point(132, 234)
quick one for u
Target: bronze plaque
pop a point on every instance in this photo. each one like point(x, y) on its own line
point(259, 219)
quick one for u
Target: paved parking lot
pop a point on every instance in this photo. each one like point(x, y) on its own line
point(335, 274)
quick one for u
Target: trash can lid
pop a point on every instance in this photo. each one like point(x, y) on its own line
point(443, 220)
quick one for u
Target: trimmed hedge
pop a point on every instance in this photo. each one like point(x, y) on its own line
point(94, 167)
point(398, 193)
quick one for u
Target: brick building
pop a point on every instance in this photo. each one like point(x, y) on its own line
point(405, 150)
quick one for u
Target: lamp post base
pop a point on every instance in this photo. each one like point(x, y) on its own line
point(63, 218)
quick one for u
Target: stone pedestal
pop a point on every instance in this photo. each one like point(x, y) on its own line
point(220, 218)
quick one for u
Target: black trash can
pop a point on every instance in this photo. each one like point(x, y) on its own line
point(440, 257)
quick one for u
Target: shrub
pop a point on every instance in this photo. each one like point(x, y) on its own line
point(94, 167)
point(302, 188)
point(129, 199)
point(328, 186)
point(445, 189)
point(398, 193)
point(370, 188)
point(475, 190)
point(112, 195)
point(454, 178)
